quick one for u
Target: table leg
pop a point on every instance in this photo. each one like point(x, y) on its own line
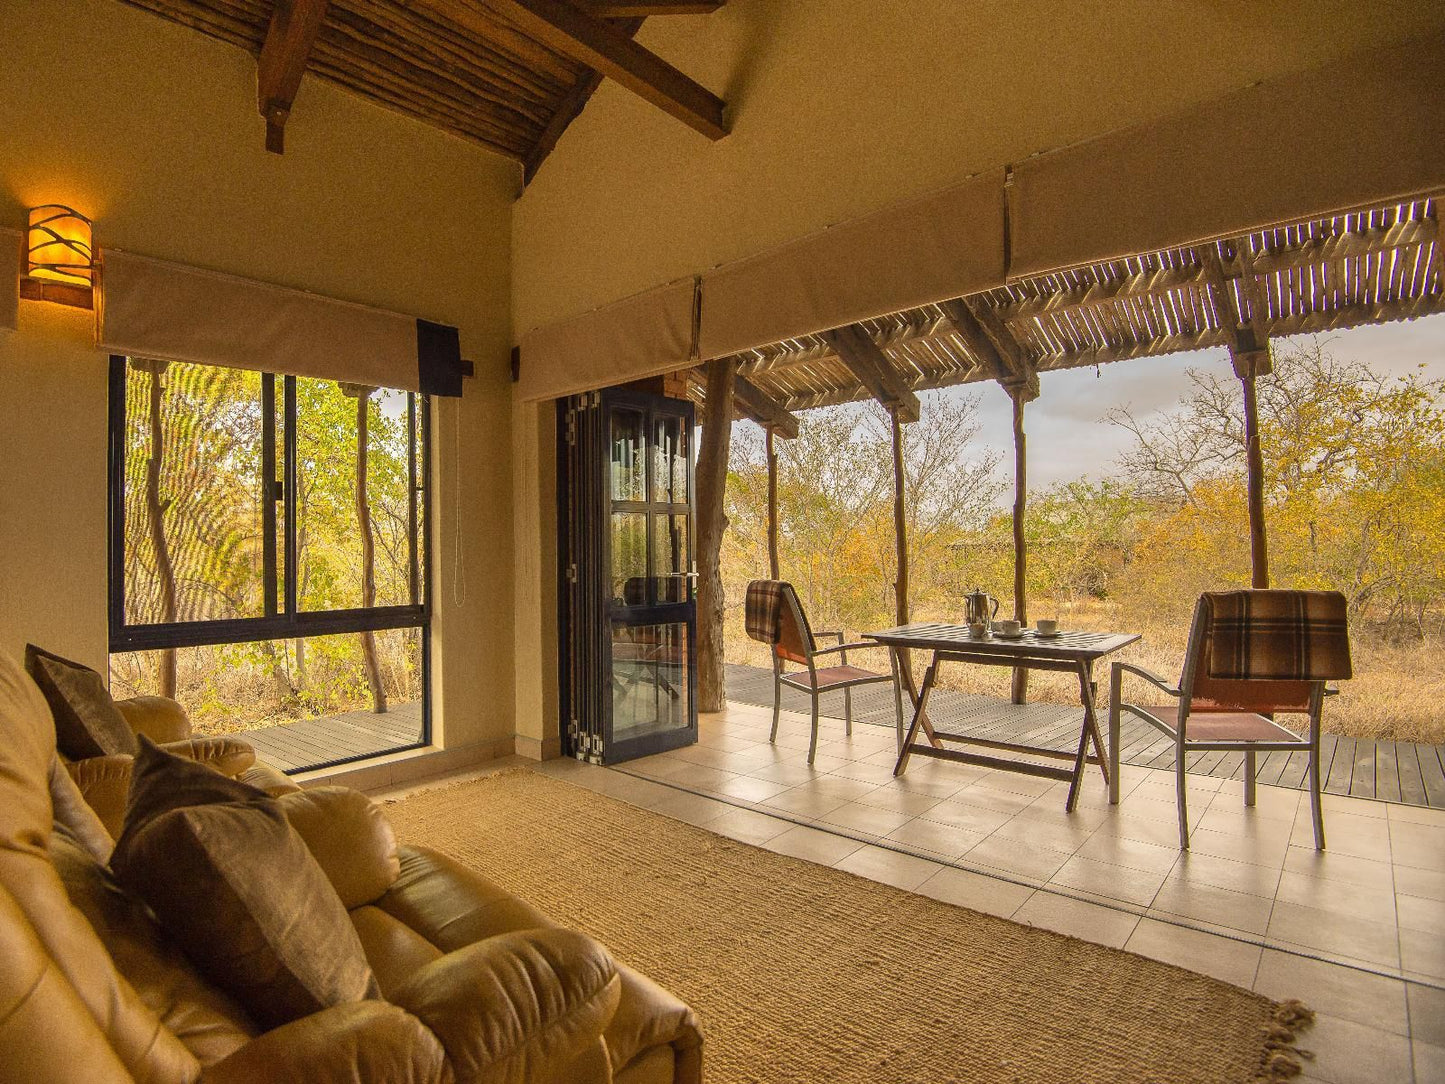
point(918, 716)
point(1088, 734)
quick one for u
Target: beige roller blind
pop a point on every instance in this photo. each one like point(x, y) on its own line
point(9, 278)
point(644, 335)
point(154, 308)
point(944, 245)
point(1363, 130)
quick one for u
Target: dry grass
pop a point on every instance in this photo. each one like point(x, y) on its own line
point(1397, 694)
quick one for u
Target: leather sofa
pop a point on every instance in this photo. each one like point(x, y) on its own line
point(476, 984)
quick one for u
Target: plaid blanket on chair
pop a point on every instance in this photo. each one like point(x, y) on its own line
point(763, 613)
point(1277, 635)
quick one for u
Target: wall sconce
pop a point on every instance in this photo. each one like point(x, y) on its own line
point(60, 259)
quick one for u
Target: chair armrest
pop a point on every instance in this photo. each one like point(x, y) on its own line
point(846, 647)
point(159, 718)
point(519, 1006)
point(831, 632)
point(1147, 675)
point(361, 1040)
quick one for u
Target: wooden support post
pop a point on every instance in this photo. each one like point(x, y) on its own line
point(711, 480)
point(1021, 565)
point(772, 508)
point(900, 584)
point(1247, 366)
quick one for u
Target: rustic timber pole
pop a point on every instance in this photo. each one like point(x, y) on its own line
point(1021, 556)
point(900, 584)
point(1247, 366)
point(772, 508)
point(712, 475)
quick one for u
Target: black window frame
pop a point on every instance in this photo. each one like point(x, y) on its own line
point(283, 619)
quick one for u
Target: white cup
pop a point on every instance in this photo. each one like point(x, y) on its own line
point(1008, 627)
point(1047, 626)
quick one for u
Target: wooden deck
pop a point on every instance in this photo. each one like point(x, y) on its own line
point(1392, 771)
point(308, 742)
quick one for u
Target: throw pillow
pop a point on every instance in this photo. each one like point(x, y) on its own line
point(87, 722)
point(233, 885)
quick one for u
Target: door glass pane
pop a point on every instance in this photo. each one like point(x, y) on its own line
point(193, 493)
point(649, 680)
point(670, 558)
point(351, 552)
point(629, 559)
point(670, 452)
point(629, 463)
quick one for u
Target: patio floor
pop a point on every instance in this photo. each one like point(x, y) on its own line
point(1391, 771)
point(1358, 932)
point(308, 742)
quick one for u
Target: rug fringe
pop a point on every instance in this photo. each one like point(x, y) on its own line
point(1283, 1060)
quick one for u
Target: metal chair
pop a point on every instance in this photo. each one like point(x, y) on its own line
point(775, 617)
point(1251, 655)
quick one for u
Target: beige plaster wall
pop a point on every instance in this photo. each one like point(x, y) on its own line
point(840, 107)
point(152, 130)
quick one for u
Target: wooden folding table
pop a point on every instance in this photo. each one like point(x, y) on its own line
point(1071, 652)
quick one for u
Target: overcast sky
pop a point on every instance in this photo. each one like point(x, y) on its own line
point(1067, 437)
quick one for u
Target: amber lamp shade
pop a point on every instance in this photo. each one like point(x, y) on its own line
point(58, 246)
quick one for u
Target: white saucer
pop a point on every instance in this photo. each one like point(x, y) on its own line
point(1010, 635)
point(1049, 635)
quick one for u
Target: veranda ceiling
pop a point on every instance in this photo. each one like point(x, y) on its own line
point(1364, 267)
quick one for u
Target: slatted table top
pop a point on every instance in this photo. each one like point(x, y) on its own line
point(1067, 644)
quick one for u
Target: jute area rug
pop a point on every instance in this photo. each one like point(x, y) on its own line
point(800, 973)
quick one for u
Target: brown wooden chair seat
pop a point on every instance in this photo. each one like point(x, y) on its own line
point(1228, 725)
point(775, 617)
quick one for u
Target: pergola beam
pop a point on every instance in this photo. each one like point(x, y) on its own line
point(603, 47)
point(758, 406)
point(289, 38)
point(857, 350)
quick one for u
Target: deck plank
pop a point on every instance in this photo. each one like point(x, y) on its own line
point(1402, 772)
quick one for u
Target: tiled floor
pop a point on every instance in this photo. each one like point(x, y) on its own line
point(1357, 932)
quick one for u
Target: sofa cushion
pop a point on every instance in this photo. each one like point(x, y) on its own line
point(87, 722)
point(234, 886)
point(350, 838)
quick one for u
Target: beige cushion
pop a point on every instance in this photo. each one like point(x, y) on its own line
point(87, 722)
point(236, 889)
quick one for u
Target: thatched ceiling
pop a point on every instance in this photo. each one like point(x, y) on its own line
point(1365, 267)
point(508, 74)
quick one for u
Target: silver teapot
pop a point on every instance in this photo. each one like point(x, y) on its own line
point(977, 611)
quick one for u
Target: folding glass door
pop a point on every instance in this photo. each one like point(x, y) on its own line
point(629, 614)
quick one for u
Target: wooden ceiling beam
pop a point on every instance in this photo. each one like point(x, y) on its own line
point(989, 338)
point(603, 47)
point(289, 38)
point(606, 9)
point(857, 350)
point(757, 405)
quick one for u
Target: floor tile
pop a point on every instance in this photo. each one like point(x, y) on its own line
point(972, 818)
point(1418, 913)
point(1034, 864)
point(1427, 1013)
point(1209, 954)
point(1332, 866)
point(1204, 903)
point(1113, 882)
point(1429, 1063)
point(1422, 953)
point(898, 800)
point(1345, 992)
point(940, 839)
point(1130, 853)
point(749, 789)
point(975, 891)
point(1346, 833)
point(804, 802)
point(747, 826)
point(1349, 1053)
point(1412, 881)
point(1419, 845)
point(1087, 921)
point(824, 848)
point(1228, 873)
point(865, 818)
point(900, 870)
point(1342, 935)
point(1375, 902)
point(693, 808)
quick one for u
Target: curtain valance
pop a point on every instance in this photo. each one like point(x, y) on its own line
point(10, 241)
point(154, 308)
point(944, 245)
point(1360, 131)
point(640, 336)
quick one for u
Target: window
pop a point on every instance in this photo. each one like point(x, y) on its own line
point(268, 557)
